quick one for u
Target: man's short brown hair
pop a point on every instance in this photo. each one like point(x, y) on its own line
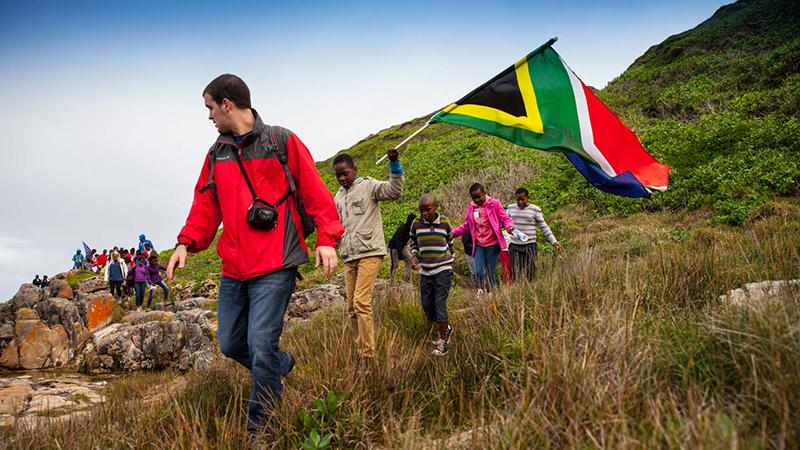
point(231, 87)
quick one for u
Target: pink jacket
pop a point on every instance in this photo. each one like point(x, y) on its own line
point(497, 216)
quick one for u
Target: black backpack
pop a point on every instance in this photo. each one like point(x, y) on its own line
point(280, 152)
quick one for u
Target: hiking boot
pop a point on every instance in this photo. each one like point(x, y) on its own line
point(448, 334)
point(440, 348)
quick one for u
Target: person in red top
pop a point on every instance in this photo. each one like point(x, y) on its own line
point(102, 259)
point(252, 181)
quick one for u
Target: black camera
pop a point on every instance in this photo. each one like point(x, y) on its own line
point(262, 215)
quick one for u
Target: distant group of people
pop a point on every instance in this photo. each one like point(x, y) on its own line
point(42, 282)
point(127, 272)
point(263, 241)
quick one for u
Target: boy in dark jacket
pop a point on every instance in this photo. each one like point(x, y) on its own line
point(398, 249)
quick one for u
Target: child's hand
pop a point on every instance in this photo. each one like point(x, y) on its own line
point(392, 154)
point(414, 262)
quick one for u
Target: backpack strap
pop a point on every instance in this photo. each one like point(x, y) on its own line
point(212, 158)
point(284, 159)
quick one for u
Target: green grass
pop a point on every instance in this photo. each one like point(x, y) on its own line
point(621, 342)
point(79, 276)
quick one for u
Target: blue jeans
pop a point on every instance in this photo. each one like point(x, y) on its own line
point(486, 265)
point(153, 291)
point(250, 319)
point(139, 288)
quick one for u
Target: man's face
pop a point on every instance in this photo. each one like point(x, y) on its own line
point(345, 174)
point(478, 197)
point(522, 201)
point(428, 211)
point(218, 114)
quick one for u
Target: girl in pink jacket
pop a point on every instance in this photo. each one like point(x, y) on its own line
point(486, 219)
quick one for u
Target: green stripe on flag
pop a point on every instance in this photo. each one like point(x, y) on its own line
point(556, 102)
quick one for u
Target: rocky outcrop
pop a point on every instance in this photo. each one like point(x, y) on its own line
point(97, 309)
point(205, 289)
point(38, 331)
point(26, 401)
point(43, 331)
point(153, 340)
point(27, 296)
point(307, 302)
point(755, 293)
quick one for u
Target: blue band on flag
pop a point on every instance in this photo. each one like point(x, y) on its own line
point(624, 184)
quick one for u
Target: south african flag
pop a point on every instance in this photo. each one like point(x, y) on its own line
point(540, 103)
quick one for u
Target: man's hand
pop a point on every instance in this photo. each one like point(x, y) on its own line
point(179, 258)
point(414, 262)
point(327, 257)
point(392, 154)
point(558, 246)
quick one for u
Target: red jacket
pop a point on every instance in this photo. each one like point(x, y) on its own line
point(247, 252)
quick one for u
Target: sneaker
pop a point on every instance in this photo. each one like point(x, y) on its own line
point(448, 334)
point(480, 293)
point(138, 308)
point(440, 348)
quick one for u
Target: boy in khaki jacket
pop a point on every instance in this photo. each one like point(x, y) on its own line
point(362, 246)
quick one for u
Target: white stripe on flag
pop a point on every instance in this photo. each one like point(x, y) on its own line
point(587, 137)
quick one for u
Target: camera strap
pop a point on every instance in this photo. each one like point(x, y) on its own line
point(256, 198)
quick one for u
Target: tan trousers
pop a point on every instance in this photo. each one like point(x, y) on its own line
point(359, 281)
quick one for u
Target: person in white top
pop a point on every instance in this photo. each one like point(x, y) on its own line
point(522, 248)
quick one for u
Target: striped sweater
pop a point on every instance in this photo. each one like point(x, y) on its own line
point(526, 220)
point(432, 244)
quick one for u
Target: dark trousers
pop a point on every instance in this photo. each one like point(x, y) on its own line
point(115, 286)
point(139, 287)
point(523, 261)
point(153, 291)
point(433, 292)
point(250, 317)
point(395, 257)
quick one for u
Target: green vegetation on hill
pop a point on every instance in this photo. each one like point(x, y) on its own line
point(636, 351)
point(719, 103)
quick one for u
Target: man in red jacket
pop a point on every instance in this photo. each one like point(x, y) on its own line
point(253, 165)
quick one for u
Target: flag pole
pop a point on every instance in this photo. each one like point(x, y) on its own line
point(405, 141)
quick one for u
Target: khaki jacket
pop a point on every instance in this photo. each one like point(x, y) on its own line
point(361, 216)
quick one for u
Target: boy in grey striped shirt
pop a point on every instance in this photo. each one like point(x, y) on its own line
point(526, 218)
point(432, 252)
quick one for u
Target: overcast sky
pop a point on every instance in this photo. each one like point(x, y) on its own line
point(104, 128)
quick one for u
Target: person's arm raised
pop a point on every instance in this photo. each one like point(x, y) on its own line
point(392, 189)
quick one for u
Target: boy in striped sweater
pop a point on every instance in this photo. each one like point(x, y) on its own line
point(526, 218)
point(432, 252)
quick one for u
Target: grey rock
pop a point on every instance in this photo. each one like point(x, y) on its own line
point(60, 311)
point(153, 340)
point(91, 285)
point(756, 293)
point(307, 302)
point(189, 303)
point(27, 296)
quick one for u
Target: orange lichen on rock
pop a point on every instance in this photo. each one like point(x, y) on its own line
point(99, 310)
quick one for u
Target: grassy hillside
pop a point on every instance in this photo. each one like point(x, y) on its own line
point(719, 103)
point(636, 351)
point(621, 342)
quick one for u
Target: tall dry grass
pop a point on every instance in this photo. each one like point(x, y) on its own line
point(620, 343)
